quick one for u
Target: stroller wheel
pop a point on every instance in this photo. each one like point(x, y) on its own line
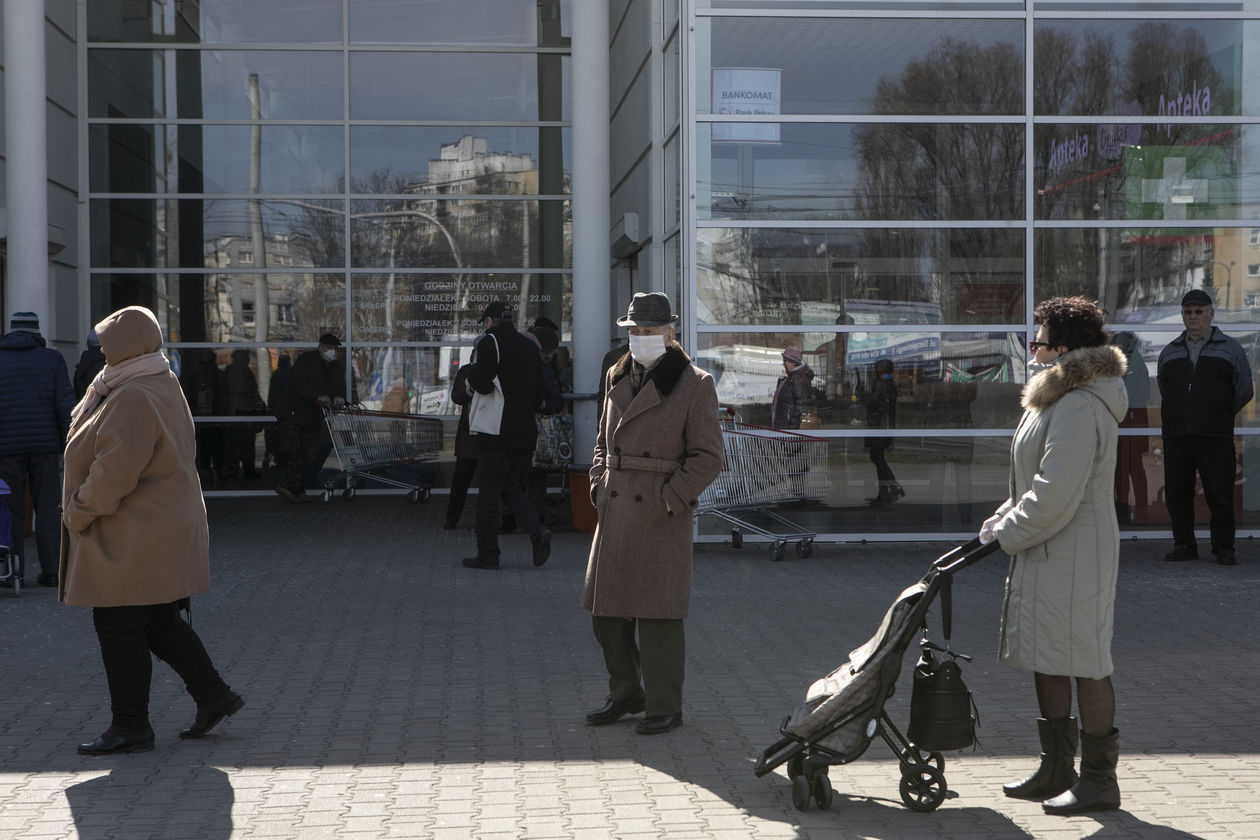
point(914, 755)
point(822, 792)
point(801, 793)
point(795, 767)
point(923, 788)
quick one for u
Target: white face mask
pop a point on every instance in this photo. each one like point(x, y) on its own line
point(646, 349)
point(329, 355)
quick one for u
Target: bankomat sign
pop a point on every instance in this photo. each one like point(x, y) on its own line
point(754, 91)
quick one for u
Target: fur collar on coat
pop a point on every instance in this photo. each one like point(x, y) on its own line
point(665, 373)
point(1074, 369)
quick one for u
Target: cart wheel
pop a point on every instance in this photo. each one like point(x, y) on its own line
point(923, 788)
point(413, 497)
point(348, 493)
point(800, 793)
point(737, 538)
point(804, 548)
point(795, 767)
point(326, 496)
point(822, 792)
point(914, 755)
point(424, 494)
point(17, 586)
point(776, 551)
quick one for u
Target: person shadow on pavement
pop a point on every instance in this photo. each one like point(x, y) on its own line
point(139, 799)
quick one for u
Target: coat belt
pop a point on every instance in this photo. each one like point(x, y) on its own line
point(631, 462)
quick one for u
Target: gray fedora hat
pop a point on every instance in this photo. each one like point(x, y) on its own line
point(648, 309)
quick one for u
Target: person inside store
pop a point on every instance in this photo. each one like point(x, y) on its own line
point(506, 358)
point(658, 447)
point(135, 542)
point(1059, 526)
point(1204, 380)
point(794, 394)
point(318, 381)
point(881, 413)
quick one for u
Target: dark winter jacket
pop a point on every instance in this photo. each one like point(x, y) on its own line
point(90, 363)
point(1202, 399)
point(459, 395)
point(519, 368)
point(312, 378)
point(793, 396)
point(881, 411)
point(35, 396)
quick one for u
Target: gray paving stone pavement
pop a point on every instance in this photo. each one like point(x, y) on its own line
point(393, 694)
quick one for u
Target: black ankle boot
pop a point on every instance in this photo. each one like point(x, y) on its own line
point(1057, 772)
point(1097, 789)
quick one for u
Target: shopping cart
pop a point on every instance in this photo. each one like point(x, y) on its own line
point(10, 566)
point(367, 442)
point(763, 467)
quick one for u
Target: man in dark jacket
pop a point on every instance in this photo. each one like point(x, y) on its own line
point(503, 460)
point(35, 404)
point(90, 363)
point(318, 381)
point(1204, 380)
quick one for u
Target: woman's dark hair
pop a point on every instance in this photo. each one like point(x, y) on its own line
point(883, 366)
point(1073, 322)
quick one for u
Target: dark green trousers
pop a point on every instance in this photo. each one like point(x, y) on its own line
point(655, 661)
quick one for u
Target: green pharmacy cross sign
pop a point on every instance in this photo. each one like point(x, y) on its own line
point(1175, 182)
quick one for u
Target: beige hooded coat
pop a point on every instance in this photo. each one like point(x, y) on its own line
point(655, 452)
point(1059, 523)
point(133, 520)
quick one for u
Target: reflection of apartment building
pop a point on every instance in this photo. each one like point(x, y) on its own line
point(232, 312)
point(468, 166)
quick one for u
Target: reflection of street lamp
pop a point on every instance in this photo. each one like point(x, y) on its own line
point(1229, 274)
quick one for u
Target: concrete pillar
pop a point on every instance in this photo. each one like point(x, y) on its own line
point(26, 154)
point(592, 322)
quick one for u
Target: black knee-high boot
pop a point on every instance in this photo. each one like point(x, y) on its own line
point(1057, 772)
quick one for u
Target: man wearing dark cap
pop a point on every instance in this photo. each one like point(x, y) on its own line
point(503, 459)
point(1204, 380)
point(35, 403)
point(318, 381)
point(658, 447)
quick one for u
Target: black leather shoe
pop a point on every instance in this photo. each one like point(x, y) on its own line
point(657, 724)
point(542, 546)
point(210, 717)
point(476, 563)
point(112, 742)
point(1225, 555)
point(1182, 552)
point(615, 710)
point(47, 580)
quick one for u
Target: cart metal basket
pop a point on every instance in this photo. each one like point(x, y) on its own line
point(763, 467)
point(367, 442)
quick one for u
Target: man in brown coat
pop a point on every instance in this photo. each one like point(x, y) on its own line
point(658, 447)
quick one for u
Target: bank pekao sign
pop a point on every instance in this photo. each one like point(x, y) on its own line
point(746, 90)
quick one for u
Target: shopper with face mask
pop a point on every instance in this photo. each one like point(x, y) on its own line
point(317, 382)
point(658, 447)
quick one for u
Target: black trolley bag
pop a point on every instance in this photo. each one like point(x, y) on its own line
point(844, 711)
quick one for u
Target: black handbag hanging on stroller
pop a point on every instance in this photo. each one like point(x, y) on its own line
point(844, 711)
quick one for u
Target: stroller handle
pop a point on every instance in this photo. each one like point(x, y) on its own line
point(964, 555)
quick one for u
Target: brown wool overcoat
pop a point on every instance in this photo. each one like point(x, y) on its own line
point(133, 526)
point(656, 451)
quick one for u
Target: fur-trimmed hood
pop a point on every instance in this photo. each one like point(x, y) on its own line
point(1099, 370)
point(665, 373)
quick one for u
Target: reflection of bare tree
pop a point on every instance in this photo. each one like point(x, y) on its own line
point(943, 171)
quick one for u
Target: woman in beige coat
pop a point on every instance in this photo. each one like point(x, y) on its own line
point(1059, 525)
point(134, 540)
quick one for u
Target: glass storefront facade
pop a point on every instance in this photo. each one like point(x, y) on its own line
point(863, 180)
point(906, 181)
point(261, 172)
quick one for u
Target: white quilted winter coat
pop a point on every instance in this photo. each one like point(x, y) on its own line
point(1059, 523)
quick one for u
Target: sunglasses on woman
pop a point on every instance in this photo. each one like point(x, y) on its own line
point(1033, 345)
